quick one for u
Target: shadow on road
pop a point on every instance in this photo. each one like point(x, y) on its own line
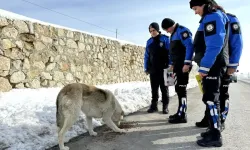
point(139, 138)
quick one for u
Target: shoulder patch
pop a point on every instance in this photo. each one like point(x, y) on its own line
point(235, 28)
point(184, 35)
point(210, 28)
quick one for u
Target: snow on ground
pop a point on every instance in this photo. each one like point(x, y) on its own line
point(11, 15)
point(28, 116)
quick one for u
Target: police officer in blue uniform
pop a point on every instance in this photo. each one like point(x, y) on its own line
point(156, 59)
point(211, 54)
point(181, 49)
point(235, 51)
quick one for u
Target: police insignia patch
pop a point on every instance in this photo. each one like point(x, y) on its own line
point(210, 27)
point(185, 35)
point(235, 28)
point(161, 44)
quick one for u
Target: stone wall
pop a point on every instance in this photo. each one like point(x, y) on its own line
point(34, 55)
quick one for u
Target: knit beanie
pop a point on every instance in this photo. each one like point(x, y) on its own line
point(198, 3)
point(167, 23)
point(155, 26)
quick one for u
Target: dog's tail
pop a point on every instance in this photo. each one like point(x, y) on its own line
point(59, 115)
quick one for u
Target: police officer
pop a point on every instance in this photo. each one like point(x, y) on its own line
point(235, 51)
point(211, 54)
point(181, 49)
point(156, 59)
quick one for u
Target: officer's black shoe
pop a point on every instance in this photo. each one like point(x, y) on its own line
point(165, 111)
point(178, 119)
point(222, 127)
point(203, 134)
point(152, 109)
point(213, 138)
point(203, 123)
point(173, 116)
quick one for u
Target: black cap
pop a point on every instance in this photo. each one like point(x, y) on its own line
point(155, 26)
point(198, 3)
point(167, 23)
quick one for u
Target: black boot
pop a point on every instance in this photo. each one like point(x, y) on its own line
point(152, 108)
point(165, 109)
point(165, 98)
point(222, 127)
point(203, 123)
point(203, 134)
point(178, 119)
point(173, 116)
point(213, 138)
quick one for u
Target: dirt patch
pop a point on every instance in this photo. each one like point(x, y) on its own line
point(108, 135)
point(128, 125)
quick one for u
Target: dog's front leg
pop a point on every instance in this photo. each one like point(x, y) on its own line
point(90, 127)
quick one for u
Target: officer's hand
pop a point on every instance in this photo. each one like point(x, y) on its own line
point(230, 71)
point(202, 74)
point(146, 72)
point(185, 68)
point(171, 67)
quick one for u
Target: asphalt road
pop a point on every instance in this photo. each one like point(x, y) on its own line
point(153, 132)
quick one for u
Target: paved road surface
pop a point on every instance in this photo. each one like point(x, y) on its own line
point(152, 132)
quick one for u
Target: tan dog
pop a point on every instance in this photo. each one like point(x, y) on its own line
point(92, 101)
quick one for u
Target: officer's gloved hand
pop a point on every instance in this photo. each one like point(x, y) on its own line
point(185, 68)
point(146, 72)
point(171, 67)
point(231, 71)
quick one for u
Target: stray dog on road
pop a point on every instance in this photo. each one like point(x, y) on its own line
point(93, 102)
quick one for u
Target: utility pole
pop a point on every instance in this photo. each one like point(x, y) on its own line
point(116, 33)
